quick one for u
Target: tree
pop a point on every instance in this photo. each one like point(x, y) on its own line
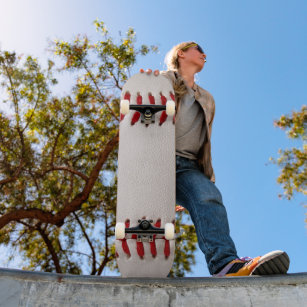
point(185, 245)
point(293, 162)
point(58, 155)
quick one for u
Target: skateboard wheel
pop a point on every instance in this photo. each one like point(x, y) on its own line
point(124, 106)
point(169, 231)
point(170, 107)
point(120, 231)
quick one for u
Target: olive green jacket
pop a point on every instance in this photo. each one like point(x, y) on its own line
point(206, 100)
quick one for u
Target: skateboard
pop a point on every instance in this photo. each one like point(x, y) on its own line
point(145, 211)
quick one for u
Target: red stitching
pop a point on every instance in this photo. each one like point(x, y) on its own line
point(140, 249)
point(167, 249)
point(136, 115)
point(163, 100)
point(139, 246)
point(151, 99)
point(125, 246)
point(153, 247)
point(139, 99)
point(163, 116)
point(158, 223)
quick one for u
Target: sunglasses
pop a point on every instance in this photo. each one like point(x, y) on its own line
point(200, 49)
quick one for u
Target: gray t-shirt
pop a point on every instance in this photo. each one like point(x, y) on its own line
point(190, 127)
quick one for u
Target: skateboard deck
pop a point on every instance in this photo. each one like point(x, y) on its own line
point(146, 179)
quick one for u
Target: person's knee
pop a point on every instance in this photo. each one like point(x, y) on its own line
point(210, 193)
point(213, 199)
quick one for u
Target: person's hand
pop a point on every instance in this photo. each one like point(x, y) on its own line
point(149, 71)
point(179, 208)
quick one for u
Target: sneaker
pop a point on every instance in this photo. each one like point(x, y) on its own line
point(276, 262)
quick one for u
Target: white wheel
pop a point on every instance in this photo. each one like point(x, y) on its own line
point(169, 231)
point(170, 107)
point(120, 231)
point(124, 106)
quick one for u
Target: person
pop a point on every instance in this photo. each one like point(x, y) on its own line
point(195, 180)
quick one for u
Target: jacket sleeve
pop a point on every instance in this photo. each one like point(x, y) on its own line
point(212, 116)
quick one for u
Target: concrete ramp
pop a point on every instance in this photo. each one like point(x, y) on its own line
point(22, 288)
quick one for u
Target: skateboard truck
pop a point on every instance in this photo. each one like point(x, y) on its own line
point(145, 231)
point(147, 111)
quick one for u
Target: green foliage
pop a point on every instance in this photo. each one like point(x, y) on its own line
point(185, 246)
point(58, 156)
point(293, 162)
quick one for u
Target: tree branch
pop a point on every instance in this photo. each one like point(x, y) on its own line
point(35, 106)
point(56, 141)
point(15, 176)
point(58, 218)
point(47, 241)
point(71, 188)
point(117, 81)
point(97, 88)
point(15, 101)
point(106, 255)
point(20, 214)
point(68, 169)
point(51, 249)
point(89, 243)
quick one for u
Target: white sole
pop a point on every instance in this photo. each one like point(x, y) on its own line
point(276, 262)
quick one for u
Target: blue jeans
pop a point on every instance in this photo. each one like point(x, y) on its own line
point(203, 200)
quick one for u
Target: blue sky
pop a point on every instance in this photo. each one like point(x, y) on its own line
point(256, 67)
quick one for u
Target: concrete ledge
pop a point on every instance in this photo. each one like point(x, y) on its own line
point(22, 288)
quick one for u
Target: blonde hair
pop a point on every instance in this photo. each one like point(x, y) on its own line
point(171, 58)
point(172, 63)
